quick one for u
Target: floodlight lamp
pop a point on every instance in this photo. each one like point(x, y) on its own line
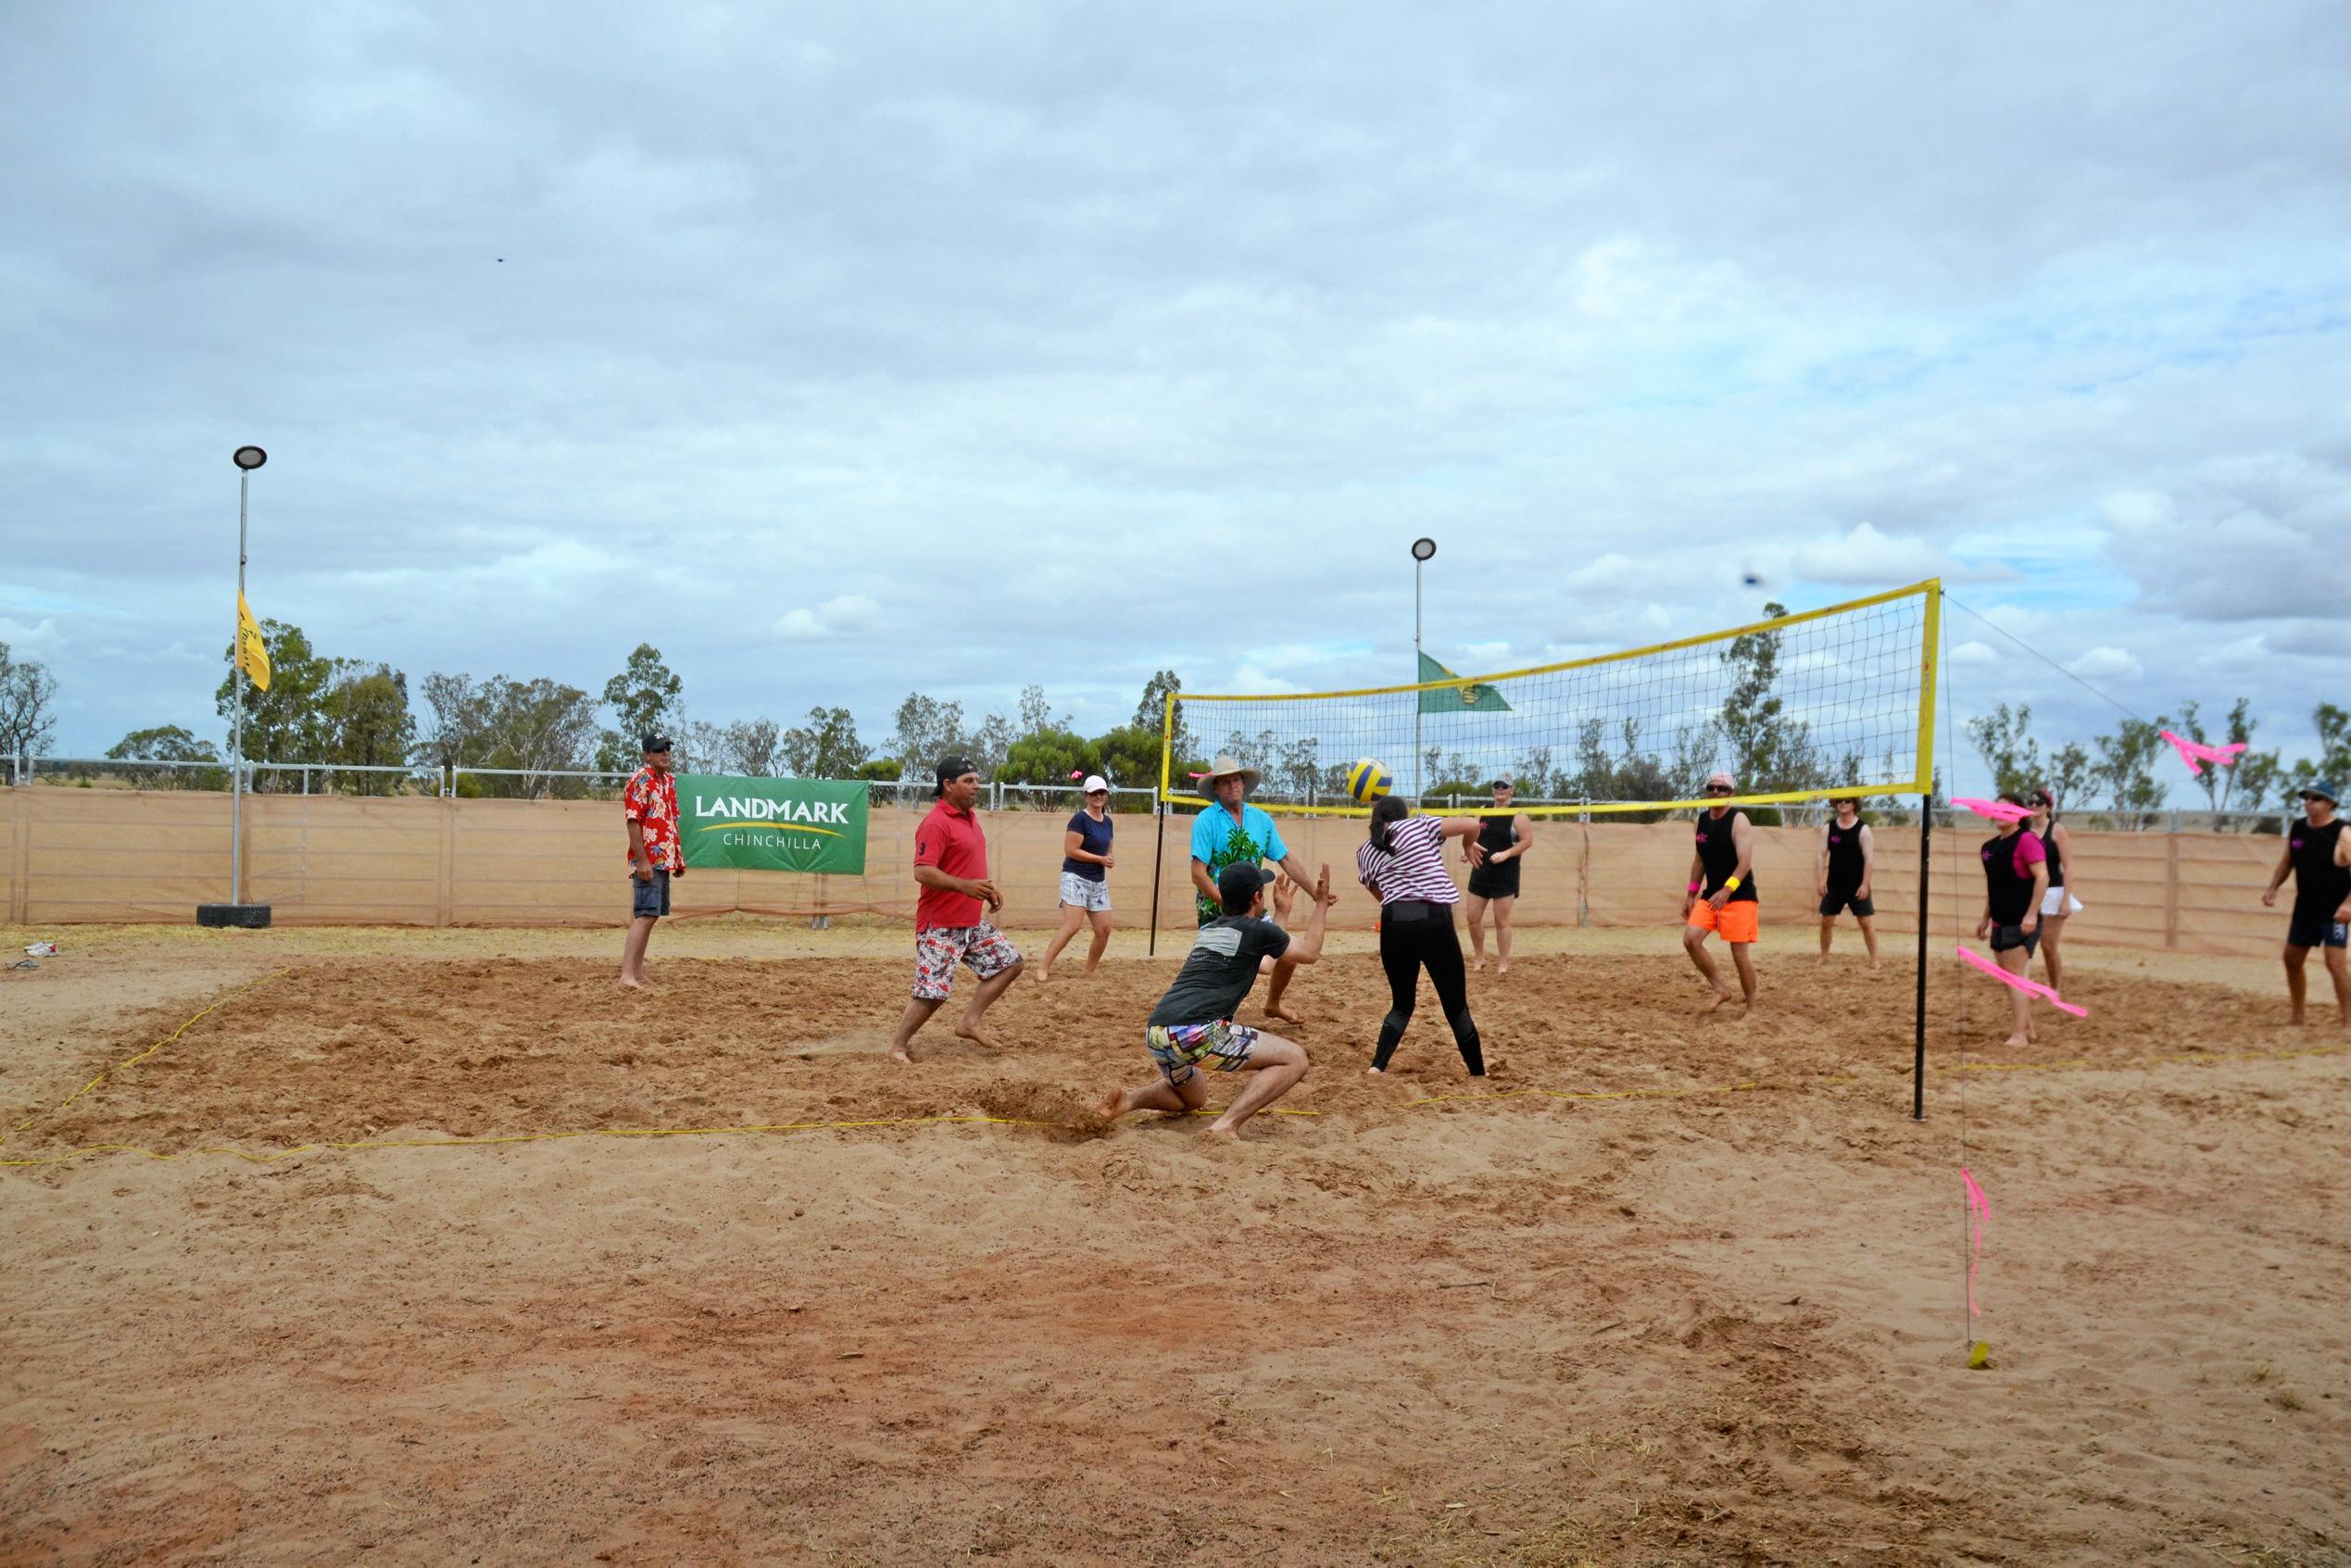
point(249, 458)
point(1424, 549)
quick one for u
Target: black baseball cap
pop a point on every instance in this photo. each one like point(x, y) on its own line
point(953, 767)
point(655, 741)
point(1237, 885)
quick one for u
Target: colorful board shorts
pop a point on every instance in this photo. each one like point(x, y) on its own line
point(2318, 933)
point(1176, 1046)
point(1738, 921)
point(982, 948)
point(1078, 893)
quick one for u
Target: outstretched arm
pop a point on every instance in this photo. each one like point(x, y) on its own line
point(1308, 948)
point(1468, 830)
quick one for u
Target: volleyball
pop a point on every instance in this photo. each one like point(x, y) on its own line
point(1367, 781)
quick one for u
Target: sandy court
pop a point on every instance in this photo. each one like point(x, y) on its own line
point(1665, 1291)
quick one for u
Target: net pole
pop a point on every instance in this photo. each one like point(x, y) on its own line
point(1159, 810)
point(1919, 1049)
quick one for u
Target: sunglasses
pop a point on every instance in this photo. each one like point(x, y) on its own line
point(1091, 793)
point(1720, 789)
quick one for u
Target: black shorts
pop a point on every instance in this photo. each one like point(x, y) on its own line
point(2006, 936)
point(2319, 933)
point(1494, 882)
point(649, 900)
point(1837, 903)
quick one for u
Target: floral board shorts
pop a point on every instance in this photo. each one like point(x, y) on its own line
point(1176, 1046)
point(1079, 894)
point(982, 948)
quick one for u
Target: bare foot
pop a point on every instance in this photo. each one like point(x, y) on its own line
point(1376, 1072)
point(1284, 1014)
point(898, 1053)
point(1722, 999)
point(1746, 1009)
point(1044, 976)
point(632, 984)
point(1479, 966)
point(1112, 1106)
point(2016, 1042)
point(1502, 968)
point(970, 1030)
point(1221, 1134)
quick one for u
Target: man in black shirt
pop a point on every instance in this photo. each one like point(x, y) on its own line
point(2317, 854)
point(1193, 1023)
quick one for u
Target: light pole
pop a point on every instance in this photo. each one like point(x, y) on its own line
point(236, 911)
point(246, 458)
point(1422, 550)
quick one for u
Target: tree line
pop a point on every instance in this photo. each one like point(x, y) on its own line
point(536, 737)
point(533, 737)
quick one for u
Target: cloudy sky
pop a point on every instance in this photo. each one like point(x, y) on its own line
point(846, 351)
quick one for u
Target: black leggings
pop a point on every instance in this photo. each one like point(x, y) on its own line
point(1407, 946)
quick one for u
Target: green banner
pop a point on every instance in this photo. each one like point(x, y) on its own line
point(1470, 697)
point(773, 824)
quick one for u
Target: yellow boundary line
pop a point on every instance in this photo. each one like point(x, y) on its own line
point(108, 1072)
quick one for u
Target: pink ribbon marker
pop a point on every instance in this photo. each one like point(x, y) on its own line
point(2029, 987)
point(2191, 752)
point(1979, 1216)
point(1992, 810)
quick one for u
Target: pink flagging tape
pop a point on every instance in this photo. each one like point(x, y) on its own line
point(2192, 752)
point(2029, 987)
point(1993, 810)
point(1978, 1217)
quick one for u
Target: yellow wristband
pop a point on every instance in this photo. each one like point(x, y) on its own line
point(1731, 884)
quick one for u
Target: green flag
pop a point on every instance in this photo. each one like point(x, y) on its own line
point(1462, 696)
point(773, 824)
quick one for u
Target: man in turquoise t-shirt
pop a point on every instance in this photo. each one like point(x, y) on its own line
point(1233, 833)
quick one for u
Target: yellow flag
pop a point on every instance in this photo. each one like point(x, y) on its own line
point(253, 654)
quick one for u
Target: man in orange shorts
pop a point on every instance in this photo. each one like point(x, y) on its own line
point(1722, 895)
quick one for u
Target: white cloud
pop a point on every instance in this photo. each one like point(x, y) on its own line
point(2108, 664)
point(1974, 653)
point(839, 616)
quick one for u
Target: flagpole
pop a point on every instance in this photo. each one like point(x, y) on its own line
point(1422, 550)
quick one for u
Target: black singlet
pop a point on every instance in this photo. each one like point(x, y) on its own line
point(1495, 833)
point(2009, 895)
point(2057, 860)
point(2320, 885)
point(1845, 855)
point(1719, 853)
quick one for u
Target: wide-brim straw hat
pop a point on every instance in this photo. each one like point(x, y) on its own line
point(1224, 767)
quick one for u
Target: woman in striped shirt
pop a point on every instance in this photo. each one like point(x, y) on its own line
point(1403, 865)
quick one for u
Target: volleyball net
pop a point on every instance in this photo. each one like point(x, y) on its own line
point(1830, 702)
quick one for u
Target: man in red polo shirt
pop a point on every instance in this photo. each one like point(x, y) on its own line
point(950, 918)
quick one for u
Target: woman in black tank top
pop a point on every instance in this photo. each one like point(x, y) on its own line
point(1504, 836)
point(2015, 875)
point(2061, 900)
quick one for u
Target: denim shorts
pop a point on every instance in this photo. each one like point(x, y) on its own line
point(2318, 933)
point(651, 899)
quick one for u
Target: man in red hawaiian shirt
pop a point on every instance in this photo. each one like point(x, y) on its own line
point(950, 918)
point(650, 805)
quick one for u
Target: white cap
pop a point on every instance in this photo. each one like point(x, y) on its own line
point(1719, 777)
point(1093, 781)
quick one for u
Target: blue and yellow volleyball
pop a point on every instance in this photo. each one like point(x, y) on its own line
point(1368, 780)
